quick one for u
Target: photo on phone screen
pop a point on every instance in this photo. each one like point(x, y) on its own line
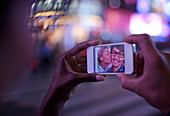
point(109, 59)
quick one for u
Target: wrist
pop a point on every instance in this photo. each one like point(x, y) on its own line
point(51, 108)
point(52, 104)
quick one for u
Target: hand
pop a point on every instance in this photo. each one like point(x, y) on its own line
point(152, 80)
point(70, 71)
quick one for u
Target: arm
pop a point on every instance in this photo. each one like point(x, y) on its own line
point(70, 71)
point(152, 80)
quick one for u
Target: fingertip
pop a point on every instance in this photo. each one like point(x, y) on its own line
point(126, 39)
point(121, 75)
point(123, 78)
point(127, 82)
point(99, 77)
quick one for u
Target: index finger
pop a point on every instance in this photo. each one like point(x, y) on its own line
point(144, 41)
point(80, 47)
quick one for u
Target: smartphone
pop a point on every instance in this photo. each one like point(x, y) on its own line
point(111, 58)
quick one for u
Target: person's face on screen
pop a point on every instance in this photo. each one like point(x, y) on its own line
point(121, 57)
point(106, 56)
point(117, 57)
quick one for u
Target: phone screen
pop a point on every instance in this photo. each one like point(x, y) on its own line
point(109, 59)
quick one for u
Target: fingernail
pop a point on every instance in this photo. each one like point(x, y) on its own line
point(100, 77)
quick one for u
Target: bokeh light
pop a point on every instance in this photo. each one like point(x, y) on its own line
point(143, 6)
point(146, 23)
point(166, 8)
point(114, 3)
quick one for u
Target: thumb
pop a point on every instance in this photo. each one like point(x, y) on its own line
point(127, 82)
point(89, 77)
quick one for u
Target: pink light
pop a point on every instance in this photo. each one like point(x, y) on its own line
point(117, 20)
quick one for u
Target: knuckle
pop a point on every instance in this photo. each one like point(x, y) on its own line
point(83, 45)
point(146, 35)
point(93, 75)
point(87, 44)
point(79, 46)
point(146, 40)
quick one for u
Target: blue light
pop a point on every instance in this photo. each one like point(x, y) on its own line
point(143, 6)
point(167, 10)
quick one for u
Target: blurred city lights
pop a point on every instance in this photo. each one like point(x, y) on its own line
point(114, 3)
point(163, 1)
point(90, 7)
point(96, 32)
point(56, 36)
point(167, 10)
point(97, 19)
point(91, 20)
point(80, 33)
point(151, 24)
point(117, 20)
point(69, 39)
point(106, 35)
point(129, 2)
point(143, 6)
point(166, 30)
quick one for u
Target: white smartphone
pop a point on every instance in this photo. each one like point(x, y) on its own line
point(111, 58)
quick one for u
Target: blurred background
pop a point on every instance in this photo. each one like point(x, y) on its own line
point(58, 25)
